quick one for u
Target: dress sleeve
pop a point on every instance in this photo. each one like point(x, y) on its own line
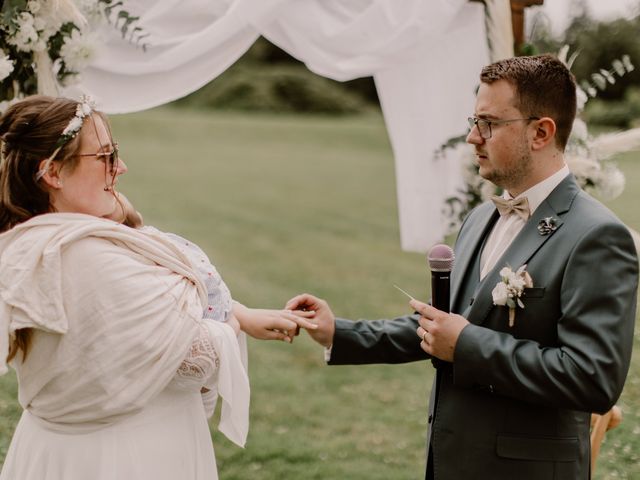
point(214, 363)
point(201, 364)
point(219, 301)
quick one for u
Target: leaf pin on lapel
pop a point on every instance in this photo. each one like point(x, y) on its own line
point(547, 225)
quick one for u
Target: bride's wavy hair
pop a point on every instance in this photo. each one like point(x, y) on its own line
point(29, 131)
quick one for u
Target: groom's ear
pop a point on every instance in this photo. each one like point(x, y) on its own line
point(543, 134)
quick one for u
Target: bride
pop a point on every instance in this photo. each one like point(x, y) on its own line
point(118, 367)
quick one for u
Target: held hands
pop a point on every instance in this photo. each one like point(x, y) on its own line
point(438, 330)
point(267, 324)
point(325, 320)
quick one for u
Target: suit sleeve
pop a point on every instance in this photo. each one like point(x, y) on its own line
point(376, 341)
point(587, 367)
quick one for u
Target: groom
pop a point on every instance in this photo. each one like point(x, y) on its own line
point(515, 387)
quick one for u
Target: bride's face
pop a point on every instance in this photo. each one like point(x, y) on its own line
point(86, 188)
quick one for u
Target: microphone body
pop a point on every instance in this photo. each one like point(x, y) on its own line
point(441, 290)
point(440, 260)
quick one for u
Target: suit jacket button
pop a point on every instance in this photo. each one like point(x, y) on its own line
point(430, 418)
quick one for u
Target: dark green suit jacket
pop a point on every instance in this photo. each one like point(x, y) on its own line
point(516, 402)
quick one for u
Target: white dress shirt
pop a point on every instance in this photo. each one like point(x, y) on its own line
point(508, 226)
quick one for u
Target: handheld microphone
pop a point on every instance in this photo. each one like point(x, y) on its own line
point(441, 258)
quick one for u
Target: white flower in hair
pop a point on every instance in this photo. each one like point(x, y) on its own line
point(74, 125)
point(83, 110)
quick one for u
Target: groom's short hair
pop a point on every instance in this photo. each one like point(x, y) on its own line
point(544, 87)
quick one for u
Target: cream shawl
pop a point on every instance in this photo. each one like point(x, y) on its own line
point(114, 312)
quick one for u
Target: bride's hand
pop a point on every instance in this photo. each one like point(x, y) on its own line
point(267, 324)
point(323, 317)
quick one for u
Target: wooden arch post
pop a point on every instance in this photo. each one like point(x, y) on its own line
point(517, 20)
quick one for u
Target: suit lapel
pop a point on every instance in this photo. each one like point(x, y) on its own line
point(468, 248)
point(525, 245)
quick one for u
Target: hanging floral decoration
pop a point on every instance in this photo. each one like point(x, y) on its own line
point(45, 44)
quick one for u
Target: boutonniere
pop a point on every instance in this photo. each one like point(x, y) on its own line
point(510, 288)
point(547, 225)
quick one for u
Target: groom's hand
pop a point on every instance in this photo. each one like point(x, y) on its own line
point(438, 330)
point(323, 318)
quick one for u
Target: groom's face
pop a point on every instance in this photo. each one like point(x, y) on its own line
point(505, 157)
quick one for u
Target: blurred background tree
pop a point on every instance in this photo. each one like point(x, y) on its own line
point(268, 79)
point(598, 44)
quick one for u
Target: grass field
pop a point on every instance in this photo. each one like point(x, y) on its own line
point(286, 204)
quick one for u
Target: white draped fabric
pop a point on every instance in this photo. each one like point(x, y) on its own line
point(425, 57)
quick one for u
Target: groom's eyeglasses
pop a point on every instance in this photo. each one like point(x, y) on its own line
point(484, 126)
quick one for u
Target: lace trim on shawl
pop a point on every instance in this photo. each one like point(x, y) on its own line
point(202, 360)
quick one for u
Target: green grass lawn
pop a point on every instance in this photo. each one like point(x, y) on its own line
point(287, 204)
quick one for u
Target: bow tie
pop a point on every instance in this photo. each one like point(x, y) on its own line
point(519, 206)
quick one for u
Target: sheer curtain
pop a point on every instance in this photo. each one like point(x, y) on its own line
point(425, 57)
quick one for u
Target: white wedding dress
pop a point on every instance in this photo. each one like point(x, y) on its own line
point(168, 440)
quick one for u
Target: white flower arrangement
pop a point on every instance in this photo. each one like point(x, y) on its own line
point(6, 65)
point(510, 288)
point(78, 50)
point(44, 43)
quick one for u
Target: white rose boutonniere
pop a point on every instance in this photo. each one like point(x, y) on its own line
point(510, 288)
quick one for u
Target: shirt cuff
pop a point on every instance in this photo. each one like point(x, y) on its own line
point(327, 353)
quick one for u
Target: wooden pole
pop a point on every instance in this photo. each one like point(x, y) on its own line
point(517, 20)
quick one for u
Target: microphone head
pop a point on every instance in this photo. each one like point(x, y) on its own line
point(441, 258)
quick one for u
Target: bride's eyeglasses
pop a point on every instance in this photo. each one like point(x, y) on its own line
point(110, 160)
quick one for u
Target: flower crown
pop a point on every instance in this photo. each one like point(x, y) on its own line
point(85, 108)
